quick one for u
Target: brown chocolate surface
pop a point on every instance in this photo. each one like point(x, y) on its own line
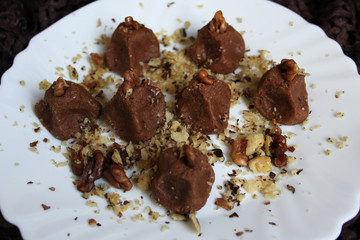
point(282, 99)
point(183, 180)
point(131, 44)
point(205, 107)
point(218, 46)
point(137, 110)
point(64, 108)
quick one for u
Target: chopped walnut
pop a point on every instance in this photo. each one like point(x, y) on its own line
point(237, 153)
point(59, 88)
point(204, 78)
point(223, 203)
point(218, 23)
point(130, 25)
point(289, 69)
point(130, 81)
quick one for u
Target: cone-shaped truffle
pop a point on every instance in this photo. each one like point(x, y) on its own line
point(218, 46)
point(137, 110)
point(131, 44)
point(65, 107)
point(282, 95)
point(183, 180)
point(204, 104)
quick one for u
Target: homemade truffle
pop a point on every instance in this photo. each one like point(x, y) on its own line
point(65, 107)
point(281, 94)
point(136, 110)
point(204, 104)
point(131, 44)
point(183, 180)
point(218, 46)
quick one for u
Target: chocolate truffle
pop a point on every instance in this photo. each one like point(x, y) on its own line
point(281, 94)
point(131, 44)
point(137, 110)
point(65, 107)
point(218, 46)
point(183, 180)
point(204, 104)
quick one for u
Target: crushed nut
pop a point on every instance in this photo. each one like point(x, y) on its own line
point(130, 25)
point(92, 171)
point(290, 188)
point(223, 203)
point(260, 164)
point(45, 207)
point(289, 69)
point(237, 153)
point(205, 78)
point(254, 142)
point(278, 148)
point(116, 176)
point(130, 81)
point(97, 58)
point(218, 23)
point(59, 88)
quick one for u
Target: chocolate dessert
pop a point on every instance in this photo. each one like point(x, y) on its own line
point(183, 180)
point(281, 94)
point(131, 44)
point(204, 104)
point(65, 107)
point(137, 110)
point(218, 46)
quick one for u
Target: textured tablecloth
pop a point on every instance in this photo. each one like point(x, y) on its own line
point(20, 20)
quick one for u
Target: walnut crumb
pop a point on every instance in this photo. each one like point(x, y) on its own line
point(164, 228)
point(45, 207)
point(339, 114)
point(315, 127)
point(338, 94)
point(92, 223)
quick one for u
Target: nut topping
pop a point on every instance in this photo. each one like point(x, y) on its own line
point(288, 68)
point(218, 23)
point(130, 80)
point(190, 156)
point(130, 25)
point(59, 88)
point(205, 78)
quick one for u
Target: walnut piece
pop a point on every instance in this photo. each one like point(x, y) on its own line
point(218, 23)
point(130, 25)
point(204, 77)
point(59, 88)
point(288, 68)
point(238, 154)
point(130, 80)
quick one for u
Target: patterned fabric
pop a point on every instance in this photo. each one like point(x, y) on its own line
point(20, 20)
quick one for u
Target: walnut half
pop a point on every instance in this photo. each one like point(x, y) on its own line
point(288, 69)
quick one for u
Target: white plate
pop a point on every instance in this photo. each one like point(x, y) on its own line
point(327, 191)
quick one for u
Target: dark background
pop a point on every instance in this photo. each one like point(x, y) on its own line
point(20, 20)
